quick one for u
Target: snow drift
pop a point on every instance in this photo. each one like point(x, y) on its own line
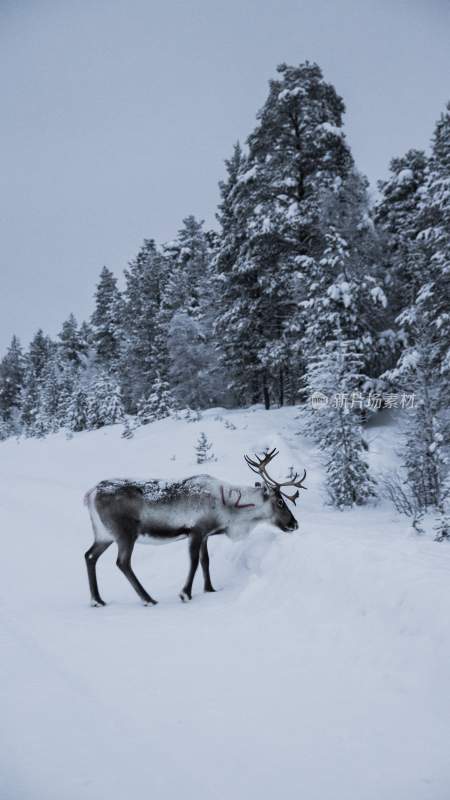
point(317, 670)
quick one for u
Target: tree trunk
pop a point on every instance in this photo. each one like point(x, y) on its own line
point(266, 395)
point(281, 387)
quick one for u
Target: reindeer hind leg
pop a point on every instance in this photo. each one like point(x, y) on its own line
point(124, 564)
point(91, 557)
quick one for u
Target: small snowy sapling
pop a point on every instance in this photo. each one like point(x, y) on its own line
point(204, 450)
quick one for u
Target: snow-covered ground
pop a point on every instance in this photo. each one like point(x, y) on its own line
point(318, 671)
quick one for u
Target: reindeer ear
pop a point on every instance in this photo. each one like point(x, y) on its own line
point(263, 486)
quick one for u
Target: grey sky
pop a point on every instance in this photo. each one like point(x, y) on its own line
point(117, 116)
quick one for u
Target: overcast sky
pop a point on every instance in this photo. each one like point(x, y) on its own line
point(116, 116)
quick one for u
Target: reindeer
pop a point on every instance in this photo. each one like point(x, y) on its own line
point(158, 511)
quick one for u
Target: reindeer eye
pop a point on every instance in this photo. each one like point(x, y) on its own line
point(280, 503)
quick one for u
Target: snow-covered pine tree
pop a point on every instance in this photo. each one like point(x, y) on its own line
point(66, 391)
point(203, 450)
point(186, 317)
point(69, 378)
point(235, 288)
point(85, 332)
point(40, 350)
point(433, 298)
point(12, 369)
point(342, 301)
point(77, 414)
point(72, 341)
point(52, 396)
point(335, 426)
point(114, 411)
point(158, 405)
point(104, 400)
point(29, 404)
point(34, 418)
point(95, 397)
point(398, 223)
point(296, 153)
point(424, 464)
point(192, 361)
point(414, 215)
point(127, 432)
point(106, 322)
point(42, 422)
point(423, 458)
point(424, 323)
point(188, 257)
point(230, 223)
point(6, 429)
point(143, 349)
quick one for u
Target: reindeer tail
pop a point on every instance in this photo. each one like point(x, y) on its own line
point(87, 496)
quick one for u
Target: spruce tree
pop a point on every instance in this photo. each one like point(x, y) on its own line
point(85, 335)
point(336, 426)
point(188, 259)
point(296, 154)
point(69, 379)
point(342, 301)
point(42, 422)
point(186, 317)
point(53, 398)
point(158, 405)
point(6, 429)
point(39, 353)
point(106, 322)
point(29, 404)
point(424, 462)
point(423, 323)
point(397, 217)
point(104, 400)
point(34, 417)
point(127, 432)
point(72, 342)
point(414, 216)
point(203, 450)
point(114, 411)
point(77, 413)
point(193, 362)
point(433, 298)
point(143, 350)
point(12, 370)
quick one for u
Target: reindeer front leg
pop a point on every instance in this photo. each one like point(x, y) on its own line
point(195, 543)
point(204, 561)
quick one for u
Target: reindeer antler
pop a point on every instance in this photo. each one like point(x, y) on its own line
point(293, 482)
point(260, 467)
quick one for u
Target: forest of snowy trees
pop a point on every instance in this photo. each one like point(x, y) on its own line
point(306, 287)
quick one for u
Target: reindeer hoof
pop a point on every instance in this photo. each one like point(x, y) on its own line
point(184, 596)
point(209, 589)
point(150, 602)
point(97, 603)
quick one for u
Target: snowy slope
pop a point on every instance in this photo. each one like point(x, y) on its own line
point(319, 670)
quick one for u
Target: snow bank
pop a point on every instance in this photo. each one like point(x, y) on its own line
point(316, 670)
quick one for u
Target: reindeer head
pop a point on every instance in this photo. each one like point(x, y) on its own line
point(283, 517)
